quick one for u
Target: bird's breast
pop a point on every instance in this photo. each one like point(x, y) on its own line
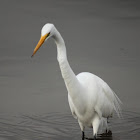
point(86, 118)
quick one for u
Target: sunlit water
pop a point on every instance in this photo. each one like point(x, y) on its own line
point(62, 126)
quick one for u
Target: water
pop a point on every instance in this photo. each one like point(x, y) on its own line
point(63, 126)
point(101, 37)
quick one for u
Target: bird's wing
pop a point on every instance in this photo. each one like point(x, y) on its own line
point(113, 98)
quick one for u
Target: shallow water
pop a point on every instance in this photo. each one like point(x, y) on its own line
point(63, 126)
point(101, 37)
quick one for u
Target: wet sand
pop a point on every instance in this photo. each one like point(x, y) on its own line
point(101, 37)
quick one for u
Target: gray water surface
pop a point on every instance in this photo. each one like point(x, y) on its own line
point(101, 37)
point(63, 126)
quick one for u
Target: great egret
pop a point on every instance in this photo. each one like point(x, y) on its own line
point(91, 100)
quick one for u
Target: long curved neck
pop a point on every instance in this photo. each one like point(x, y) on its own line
point(68, 75)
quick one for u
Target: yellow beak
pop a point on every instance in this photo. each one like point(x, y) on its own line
point(41, 41)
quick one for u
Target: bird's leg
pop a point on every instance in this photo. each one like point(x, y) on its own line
point(107, 119)
point(82, 129)
point(95, 137)
point(83, 135)
point(95, 124)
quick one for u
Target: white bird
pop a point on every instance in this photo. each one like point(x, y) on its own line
point(91, 100)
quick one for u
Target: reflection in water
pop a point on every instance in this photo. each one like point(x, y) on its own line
point(106, 136)
point(103, 136)
point(58, 126)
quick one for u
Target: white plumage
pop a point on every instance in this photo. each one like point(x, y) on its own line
point(91, 100)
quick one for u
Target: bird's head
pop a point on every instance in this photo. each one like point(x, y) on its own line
point(46, 32)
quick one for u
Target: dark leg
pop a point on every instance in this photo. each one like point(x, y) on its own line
point(95, 137)
point(83, 135)
point(107, 119)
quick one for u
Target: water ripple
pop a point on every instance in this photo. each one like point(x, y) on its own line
point(64, 126)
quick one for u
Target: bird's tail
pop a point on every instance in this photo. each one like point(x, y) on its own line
point(117, 105)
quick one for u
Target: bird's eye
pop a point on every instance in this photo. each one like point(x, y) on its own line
point(48, 34)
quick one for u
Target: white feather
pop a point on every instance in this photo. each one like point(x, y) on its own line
point(91, 100)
